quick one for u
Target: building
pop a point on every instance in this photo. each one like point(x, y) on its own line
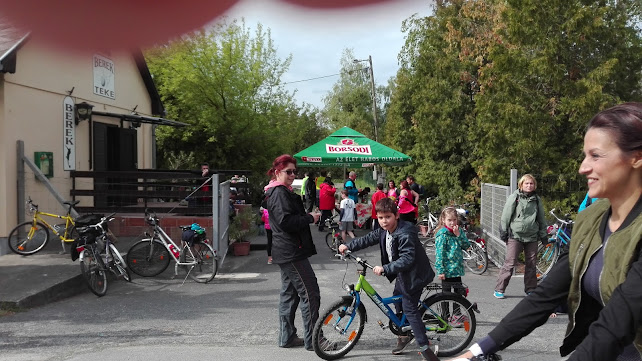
point(43, 94)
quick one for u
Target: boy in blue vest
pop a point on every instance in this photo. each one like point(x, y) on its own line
point(404, 259)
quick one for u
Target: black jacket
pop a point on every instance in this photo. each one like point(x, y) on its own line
point(409, 259)
point(594, 325)
point(291, 237)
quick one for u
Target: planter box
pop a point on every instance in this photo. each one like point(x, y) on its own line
point(241, 248)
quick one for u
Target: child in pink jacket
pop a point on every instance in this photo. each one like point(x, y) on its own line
point(265, 217)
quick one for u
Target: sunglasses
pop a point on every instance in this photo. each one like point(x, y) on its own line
point(289, 171)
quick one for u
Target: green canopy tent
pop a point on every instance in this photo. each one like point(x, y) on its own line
point(348, 148)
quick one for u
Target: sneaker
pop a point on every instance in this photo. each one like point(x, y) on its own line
point(294, 342)
point(457, 321)
point(430, 353)
point(269, 260)
point(498, 294)
point(402, 342)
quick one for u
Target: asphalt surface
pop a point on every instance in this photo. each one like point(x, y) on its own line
point(234, 317)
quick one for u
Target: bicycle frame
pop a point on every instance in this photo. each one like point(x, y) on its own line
point(160, 235)
point(383, 304)
point(562, 236)
point(69, 221)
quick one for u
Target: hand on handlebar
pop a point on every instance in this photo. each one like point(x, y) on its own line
point(378, 270)
point(342, 248)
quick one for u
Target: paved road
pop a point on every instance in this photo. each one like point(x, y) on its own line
point(234, 318)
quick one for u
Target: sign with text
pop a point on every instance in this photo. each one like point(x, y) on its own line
point(348, 146)
point(69, 134)
point(104, 77)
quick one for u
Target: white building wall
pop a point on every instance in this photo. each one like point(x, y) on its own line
point(31, 109)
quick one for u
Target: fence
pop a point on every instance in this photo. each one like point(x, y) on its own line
point(183, 196)
point(493, 199)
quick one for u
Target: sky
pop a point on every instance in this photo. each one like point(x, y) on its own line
point(316, 39)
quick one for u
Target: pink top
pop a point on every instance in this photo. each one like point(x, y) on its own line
point(392, 193)
point(265, 217)
point(405, 205)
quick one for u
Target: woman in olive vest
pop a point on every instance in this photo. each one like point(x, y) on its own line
point(601, 276)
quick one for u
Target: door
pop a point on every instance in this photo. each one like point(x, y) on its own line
point(115, 149)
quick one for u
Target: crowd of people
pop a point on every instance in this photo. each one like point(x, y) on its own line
point(599, 278)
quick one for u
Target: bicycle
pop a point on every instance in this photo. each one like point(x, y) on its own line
point(475, 257)
point(30, 237)
point(558, 241)
point(97, 255)
point(449, 318)
point(427, 226)
point(428, 222)
point(151, 256)
point(333, 239)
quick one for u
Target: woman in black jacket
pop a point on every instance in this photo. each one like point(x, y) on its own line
point(291, 246)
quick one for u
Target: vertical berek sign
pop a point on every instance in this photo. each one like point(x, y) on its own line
point(69, 134)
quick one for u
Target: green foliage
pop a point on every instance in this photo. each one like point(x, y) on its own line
point(225, 83)
point(490, 85)
point(349, 103)
point(243, 226)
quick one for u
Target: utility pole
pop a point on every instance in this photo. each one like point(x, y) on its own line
point(374, 100)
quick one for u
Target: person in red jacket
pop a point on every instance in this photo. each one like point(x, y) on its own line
point(326, 201)
point(379, 194)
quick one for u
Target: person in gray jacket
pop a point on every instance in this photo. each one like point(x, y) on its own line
point(523, 224)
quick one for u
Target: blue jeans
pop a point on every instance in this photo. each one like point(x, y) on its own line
point(298, 285)
point(409, 305)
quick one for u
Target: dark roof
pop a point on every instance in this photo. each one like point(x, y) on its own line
point(11, 38)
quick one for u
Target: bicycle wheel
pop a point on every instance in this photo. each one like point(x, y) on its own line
point(450, 322)
point(429, 245)
point(477, 259)
point(338, 329)
point(28, 239)
point(205, 263)
point(148, 258)
point(425, 229)
point(119, 267)
point(547, 255)
point(333, 240)
point(94, 274)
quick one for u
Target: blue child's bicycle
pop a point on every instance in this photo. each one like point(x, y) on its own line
point(559, 237)
point(449, 318)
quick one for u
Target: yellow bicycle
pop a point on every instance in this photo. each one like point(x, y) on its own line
point(30, 237)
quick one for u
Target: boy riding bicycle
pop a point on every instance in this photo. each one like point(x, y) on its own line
point(403, 258)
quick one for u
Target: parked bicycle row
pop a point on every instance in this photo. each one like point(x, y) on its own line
point(92, 243)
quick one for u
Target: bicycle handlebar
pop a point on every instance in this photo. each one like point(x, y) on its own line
point(358, 260)
point(567, 222)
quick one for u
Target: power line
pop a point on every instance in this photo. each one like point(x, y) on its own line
point(322, 77)
point(319, 77)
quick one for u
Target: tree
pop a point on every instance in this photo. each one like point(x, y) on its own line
point(225, 83)
point(349, 103)
point(489, 85)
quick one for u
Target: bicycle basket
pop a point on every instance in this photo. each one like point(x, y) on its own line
point(88, 220)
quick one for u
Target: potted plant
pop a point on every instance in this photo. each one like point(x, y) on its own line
point(239, 232)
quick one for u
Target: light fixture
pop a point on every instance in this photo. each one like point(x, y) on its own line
point(83, 112)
